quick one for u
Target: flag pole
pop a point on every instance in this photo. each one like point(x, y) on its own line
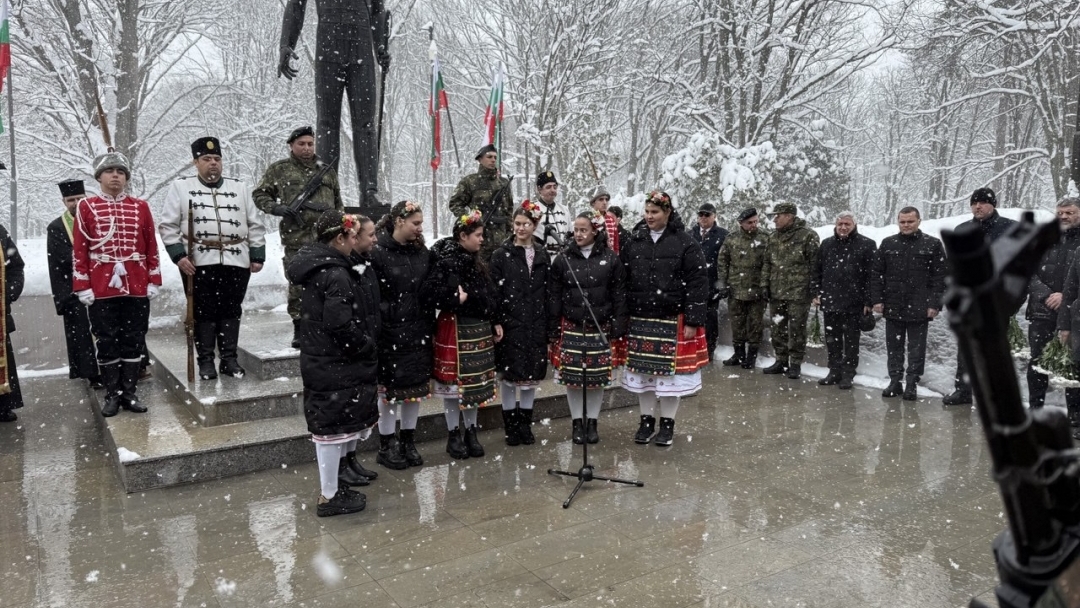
point(453, 138)
point(13, 229)
point(434, 171)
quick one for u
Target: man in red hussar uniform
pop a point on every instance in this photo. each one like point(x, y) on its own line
point(116, 274)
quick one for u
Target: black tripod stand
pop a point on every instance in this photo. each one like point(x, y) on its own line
point(585, 473)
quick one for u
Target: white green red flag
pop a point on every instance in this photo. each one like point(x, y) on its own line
point(437, 101)
point(493, 115)
point(5, 47)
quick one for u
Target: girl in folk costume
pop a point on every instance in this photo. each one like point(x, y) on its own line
point(586, 271)
point(519, 269)
point(406, 340)
point(339, 309)
point(667, 289)
point(465, 334)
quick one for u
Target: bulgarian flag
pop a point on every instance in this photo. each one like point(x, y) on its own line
point(5, 47)
point(493, 114)
point(436, 102)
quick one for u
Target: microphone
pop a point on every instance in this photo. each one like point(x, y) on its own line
point(552, 231)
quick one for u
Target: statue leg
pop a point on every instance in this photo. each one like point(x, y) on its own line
point(363, 92)
point(329, 87)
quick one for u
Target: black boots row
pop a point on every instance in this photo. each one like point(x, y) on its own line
point(461, 447)
point(842, 380)
point(792, 370)
point(352, 473)
point(896, 389)
point(120, 380)
point(745, 356)
point(399, 452)
point(517, 425)
point(585, 431)
point(647, 432)
point(225, 334)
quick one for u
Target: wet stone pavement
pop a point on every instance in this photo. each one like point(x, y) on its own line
point(775, 493)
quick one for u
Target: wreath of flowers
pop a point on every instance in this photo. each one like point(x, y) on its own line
point(469, 219)
point(659, 198)
point(597, 220)
point(349, 222)
point(533, 210)
point(408, 209)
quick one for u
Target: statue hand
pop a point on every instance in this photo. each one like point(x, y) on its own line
point(383, 57)
point(285, 67)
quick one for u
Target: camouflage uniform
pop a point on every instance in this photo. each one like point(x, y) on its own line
point(787, 277)
point(738, 267)
point(475, 192)
point(281, 183)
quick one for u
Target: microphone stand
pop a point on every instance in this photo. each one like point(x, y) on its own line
point(585, 473)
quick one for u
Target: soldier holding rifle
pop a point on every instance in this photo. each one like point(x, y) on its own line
point(487, 191)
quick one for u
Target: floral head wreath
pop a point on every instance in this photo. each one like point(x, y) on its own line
point(532, 210)
point(408, 209)
point(349, 222)
point(597, 220)
point(469, 219)
point(660, 199)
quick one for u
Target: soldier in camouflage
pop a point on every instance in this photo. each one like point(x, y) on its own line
point(476, 192)
point(787, 278)
point(281, 183)
point(739, 265)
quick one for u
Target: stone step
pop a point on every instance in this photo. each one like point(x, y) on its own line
point(265, 346)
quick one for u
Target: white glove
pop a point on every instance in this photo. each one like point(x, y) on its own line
point(86, 296)
point(152, 291)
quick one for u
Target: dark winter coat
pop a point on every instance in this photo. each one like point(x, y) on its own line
point(521, 299)
point(993, 226)
point(710, 243)
point(1050, 277)
point(603, 280)
point(13, 275)
point(339, 311)
point(406, 339)
point(455, 267)
point(668, 277)
point(909, 276)
point(790, 262)
point(843, 272)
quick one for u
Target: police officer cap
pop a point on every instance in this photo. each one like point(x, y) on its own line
point(71, 187)
point(747, 213)
point(300, 132)
point(545, 177)
point(984, 195)
point(206, 145)
point(111, 160)
point(785, 208)
point(485, 150)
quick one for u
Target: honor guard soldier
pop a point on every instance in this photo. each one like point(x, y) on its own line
point(301, 176)
point(556, 214)
point(80, 342)
point(116, 274)
point(487, 191)
point(226, 245)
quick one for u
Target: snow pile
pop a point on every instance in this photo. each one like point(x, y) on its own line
point(126, 455)
point(707, 166)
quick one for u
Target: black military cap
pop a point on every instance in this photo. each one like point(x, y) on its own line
point(204, 146)
point(746, 214)
point(984, 195)
point(71, 187)
point(300, 132)
point(707, 208)
point(485, 150)
point(545, 177)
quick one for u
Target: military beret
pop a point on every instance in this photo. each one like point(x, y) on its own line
point(785, 208)
point(300, 132)
point(984, 195)
point(746, 214)
point(71, 187)
point(111, 160)
point(485, 150)
point(545, 177)
point(206, 145)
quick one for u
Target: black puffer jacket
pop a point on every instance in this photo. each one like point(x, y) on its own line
point(339, 311)
point(993, 226)
point(603, 279)
point(909, 276)
point(456, 267)
point(521, 299)
point(710, 243)
point(1050, 278)
point(408, 313)
point(844, 267)
point(665, 278)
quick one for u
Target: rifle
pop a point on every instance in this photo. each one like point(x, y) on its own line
point(313, 184)
point(487, 212)
point(189, 319)
point(1034, 460)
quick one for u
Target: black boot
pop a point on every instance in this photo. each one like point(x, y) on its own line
point(776, 368)
point(794, 371)
point(355, 465)
point(591, 434)
point(577, 431)
point(296, 333)
point(958, 397)
point(8, 416)
point(646, 430)
point(345, 501)
point(407, 448)
point(129, 377)
point(472, 444)
point(347, 477)
point(388, 453)
point(893, 390)
point(525, 426)
point(847, 381)
point(454, 446)
point(911, 389)
point(751, 356)
point(205, 336)
point(738, 357)
point(510, 427)
point(228, 337)
point(666, 435)
point(833, 377)
point(110, 377)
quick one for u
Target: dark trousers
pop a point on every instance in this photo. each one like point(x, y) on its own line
point(219, 292)
point(120, 326)
point(712, 324)
point(356, 79)
point(1040, 332)
point(914, 334)
point(842, 341)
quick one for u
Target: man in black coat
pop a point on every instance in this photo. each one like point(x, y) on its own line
point(711, 237)
point(907, 285)
point(845, 262)
point(10, 393)
point(82, 360)
point(984, 214)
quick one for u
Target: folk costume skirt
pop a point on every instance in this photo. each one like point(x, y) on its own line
point(465, 360)
point(580, 355)
point(659, 359)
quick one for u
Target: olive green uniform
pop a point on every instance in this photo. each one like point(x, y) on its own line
point(787, 277)
point(281, 183)
point(475, 191)
point(739, 265)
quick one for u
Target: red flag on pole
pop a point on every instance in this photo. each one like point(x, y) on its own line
point(437, 102)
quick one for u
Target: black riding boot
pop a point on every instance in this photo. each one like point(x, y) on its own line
point(129, 378)
point(228, 336)
point(205, 336)
point(110, 377)
point(407, 448)
point(510, 427)
point(525, 426)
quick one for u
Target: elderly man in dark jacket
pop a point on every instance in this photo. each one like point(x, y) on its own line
point(844, 265)
point(984, 214)
point(907, 285)
point(711, 238)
